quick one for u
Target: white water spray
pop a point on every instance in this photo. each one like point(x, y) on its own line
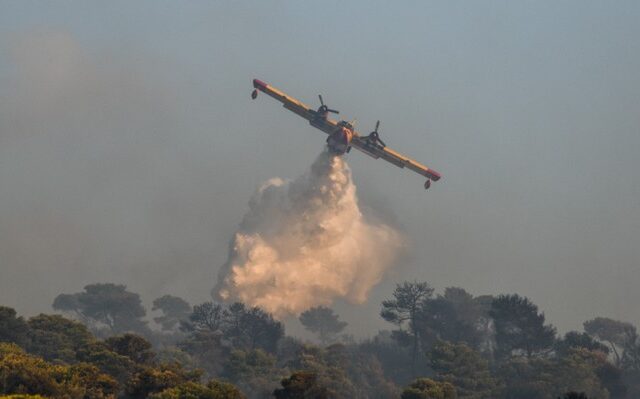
point(305, 243)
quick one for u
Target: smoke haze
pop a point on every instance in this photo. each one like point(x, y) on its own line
point(129, 145)
point(305, 243)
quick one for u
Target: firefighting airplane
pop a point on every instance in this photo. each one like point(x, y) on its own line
point(342, 135)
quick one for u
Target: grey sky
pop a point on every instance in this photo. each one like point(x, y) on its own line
point(129, 146)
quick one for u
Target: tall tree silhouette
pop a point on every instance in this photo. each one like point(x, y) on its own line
point(409, 299)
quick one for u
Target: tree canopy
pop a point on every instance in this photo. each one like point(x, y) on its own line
point(425, 388)
point(446, 345)
point(109, 305)
point(174, 310)
point(465, 369)
point(322, 321)
point(12, 327)
point(520, 327)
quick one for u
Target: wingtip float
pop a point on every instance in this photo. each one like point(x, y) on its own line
point(342, 135)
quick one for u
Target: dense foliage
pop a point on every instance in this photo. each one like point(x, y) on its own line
point(449, 345)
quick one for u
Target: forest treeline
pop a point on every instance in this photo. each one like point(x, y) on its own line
point(447, 345)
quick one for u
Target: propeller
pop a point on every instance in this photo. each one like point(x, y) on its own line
point(375, 137)
point(324, 109)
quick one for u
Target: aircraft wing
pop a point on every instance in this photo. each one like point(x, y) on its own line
point(298, 107)
point(378, 151)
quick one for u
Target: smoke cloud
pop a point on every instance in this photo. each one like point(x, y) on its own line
point(305, 243)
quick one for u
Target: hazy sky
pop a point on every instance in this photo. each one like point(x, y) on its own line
point(129, 146)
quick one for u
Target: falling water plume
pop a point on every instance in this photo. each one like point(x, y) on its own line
point(306, 243)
